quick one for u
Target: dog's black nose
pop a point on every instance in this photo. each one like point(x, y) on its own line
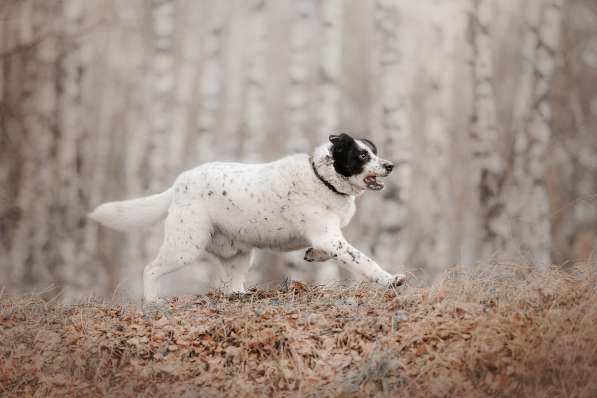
point(389, 167)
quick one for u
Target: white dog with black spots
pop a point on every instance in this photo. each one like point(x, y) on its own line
point(229, 209)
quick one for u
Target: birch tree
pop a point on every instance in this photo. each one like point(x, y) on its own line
point(160, 88)
point(34, 253)
point(300, 52)
point(300, 43)
point(330, 67)
point(391, 126)
point(210, 86)
point(488, 167)
point(72, 68)
point(434, 247)
point(12, 164)
point(129, 43)
point(528, 207)
point(328, 95)
point(255, 100)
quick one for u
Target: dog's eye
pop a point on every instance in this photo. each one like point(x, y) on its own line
point(364, 155)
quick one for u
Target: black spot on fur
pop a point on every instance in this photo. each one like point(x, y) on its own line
point(224, 193)
point(346, 154)
point(352, 255)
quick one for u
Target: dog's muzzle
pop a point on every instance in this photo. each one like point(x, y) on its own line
point(372, 181)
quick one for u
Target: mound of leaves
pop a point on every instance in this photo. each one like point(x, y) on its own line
point(504, 330)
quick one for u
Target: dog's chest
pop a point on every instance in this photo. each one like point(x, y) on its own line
point(344, 210)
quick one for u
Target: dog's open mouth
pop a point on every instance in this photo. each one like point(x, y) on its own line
point(373, 182)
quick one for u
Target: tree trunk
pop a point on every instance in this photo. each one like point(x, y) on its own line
point(129, 43)
point(488, 166)
point(210, 87)
point(528, 207)
point(434, 245)
point(255, 100)
point(328, 96)
point(160, 89)
point(35, 254)
point(391, 127)
point(300, 61)
point(76, 246)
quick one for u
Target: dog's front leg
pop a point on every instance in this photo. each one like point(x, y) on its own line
point(336, 247)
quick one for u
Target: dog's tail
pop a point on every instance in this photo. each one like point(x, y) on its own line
point(132, 214)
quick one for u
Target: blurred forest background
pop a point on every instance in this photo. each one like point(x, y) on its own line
point(490, 104)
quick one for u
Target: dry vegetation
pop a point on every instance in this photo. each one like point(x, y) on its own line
point(505, 331)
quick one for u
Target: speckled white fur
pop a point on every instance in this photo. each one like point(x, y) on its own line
point(227, 209)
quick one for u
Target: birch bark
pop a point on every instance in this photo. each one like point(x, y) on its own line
point(391, 125)
point(34, 256)
point(435, 242)
point(488, 167)
point(255, 100)
point(129, 44)
point(301, 32)
point(210, 86)
point(328, 95)
point(160, 89)
point(72, 73)
point(528, 207)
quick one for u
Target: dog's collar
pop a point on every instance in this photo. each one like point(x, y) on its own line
point(326, 183)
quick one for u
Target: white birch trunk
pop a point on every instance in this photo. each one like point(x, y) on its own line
point(328, 100)
point(160, 109)
point(330, 68)
point(34, 256)
point(528, 207)
point(100, 270)
point(581, 235)
point(487, 165)
point(210, 86)
point(300, 50)
point(255, 101)
point(70, 154)
point(8, 209)
point(392, 129)
point(435, 242)
point(128, 44)
point(302, 25)
point(187, 63)
point(160, 88)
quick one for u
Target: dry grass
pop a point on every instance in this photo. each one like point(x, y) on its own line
point(506, 331)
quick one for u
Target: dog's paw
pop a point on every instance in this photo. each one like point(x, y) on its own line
point(395, 281)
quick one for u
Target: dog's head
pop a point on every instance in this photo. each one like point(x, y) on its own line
point(357, 160)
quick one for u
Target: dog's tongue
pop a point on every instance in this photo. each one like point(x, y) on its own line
point(372, 183)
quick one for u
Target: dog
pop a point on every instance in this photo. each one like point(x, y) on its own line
point(229, 209)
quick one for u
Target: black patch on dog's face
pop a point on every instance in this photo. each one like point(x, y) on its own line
point(349, 157)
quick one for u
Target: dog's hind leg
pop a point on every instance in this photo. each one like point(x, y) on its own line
point(186, 235)
point(235, 272)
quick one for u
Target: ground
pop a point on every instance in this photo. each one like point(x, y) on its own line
point(503, 330)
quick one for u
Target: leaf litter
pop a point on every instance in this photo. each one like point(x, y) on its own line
point(504, 330)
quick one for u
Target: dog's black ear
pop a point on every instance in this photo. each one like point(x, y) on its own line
point(344, 138)
point(334, 139)
point(370, 144)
